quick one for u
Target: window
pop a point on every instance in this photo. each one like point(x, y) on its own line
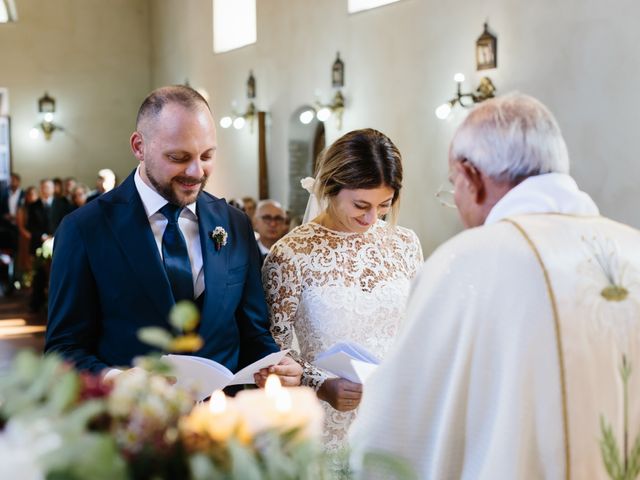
point(354, 6)
point(8, 11)
point(234, 24)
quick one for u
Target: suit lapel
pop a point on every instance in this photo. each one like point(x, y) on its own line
point(128, 220)
point(213, 213)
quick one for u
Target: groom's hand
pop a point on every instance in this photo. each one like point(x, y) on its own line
point(289, 371)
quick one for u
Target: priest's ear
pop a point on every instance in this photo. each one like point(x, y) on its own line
point(475, 180)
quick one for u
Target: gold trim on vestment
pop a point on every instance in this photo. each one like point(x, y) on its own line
point(556, 321)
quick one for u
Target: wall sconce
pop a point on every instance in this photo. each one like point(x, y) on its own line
point(323, 111)
point(484, 91)
point(239, 120)
point(46, 110)
point(486, 50)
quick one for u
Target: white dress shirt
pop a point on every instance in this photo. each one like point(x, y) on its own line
point(263, 250)
point(14, 198)
point(188, 224)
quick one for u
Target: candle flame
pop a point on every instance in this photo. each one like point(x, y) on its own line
point(283, 401)
point(218, 402)
point(273, 386)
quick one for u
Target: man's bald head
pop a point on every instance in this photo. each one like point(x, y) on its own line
point(156, 101)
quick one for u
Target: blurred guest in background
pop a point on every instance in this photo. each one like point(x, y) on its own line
point(105, 183)
point(249, 204)
point(269, 222)
point(58, 187)
point(43, 217)
point(23, 262)
point(78, 196)
point(11, 198)
point(15, 198)
point(236, 202)
point(40, 216)
point(69, 184)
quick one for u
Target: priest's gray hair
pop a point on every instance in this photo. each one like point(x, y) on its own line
point(510, 138)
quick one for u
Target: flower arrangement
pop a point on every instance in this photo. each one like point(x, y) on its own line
point(58, 423)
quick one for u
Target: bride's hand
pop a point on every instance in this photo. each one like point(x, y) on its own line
point(342, 394)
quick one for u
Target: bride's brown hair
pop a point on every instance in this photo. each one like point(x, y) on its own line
point(364, 159)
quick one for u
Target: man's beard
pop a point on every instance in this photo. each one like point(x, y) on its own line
point(169, 194)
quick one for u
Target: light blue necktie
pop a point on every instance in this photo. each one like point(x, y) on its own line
point(176, 256)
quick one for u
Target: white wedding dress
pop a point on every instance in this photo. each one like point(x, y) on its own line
point(325, 286)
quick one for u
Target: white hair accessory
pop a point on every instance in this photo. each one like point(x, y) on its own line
point(314, 206)
point(308, 183)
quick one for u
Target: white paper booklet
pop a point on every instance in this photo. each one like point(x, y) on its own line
point(205, 375)
point(348, 360)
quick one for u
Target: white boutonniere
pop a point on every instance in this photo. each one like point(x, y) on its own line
point(219, 236)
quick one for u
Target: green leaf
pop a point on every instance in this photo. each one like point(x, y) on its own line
point(50, 369)
point(87, 455)
point(65, 391)
point(184, 316)
point(633, 467)
point(202, 468)
point(80, 416)
point(26, 365)
point(153, 364)
point(243, 462)
point(610, 451)
point(390, 466)
point(155, 336)
point(625, 369)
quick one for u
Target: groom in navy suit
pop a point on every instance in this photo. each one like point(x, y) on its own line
point(120, 263)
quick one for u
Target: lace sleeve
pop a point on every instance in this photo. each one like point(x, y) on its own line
point(282, 281)
point(410, 250)
point(415, 258)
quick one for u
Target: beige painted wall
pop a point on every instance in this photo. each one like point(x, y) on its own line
point(581, 57)
point(93, 57)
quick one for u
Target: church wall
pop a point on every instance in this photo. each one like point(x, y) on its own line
point(580, 57)
point(93, 57)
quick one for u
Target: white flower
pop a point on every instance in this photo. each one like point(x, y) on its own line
point(47, 248)
point(308, 183)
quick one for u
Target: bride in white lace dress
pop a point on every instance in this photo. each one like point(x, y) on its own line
point(346, 274)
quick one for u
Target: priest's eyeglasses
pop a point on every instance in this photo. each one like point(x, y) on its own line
point(445, 195)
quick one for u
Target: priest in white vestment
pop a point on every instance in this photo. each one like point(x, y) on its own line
point(520, 358)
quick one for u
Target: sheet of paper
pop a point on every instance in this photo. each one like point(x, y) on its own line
point(246, 374)
point(345, 366)
point(363, 369)
point(353, 350)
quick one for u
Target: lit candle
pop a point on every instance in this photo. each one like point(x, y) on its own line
point(217, 402)
point(276, 407)
point(283, 401)
point(272, 386)
point(218, 419)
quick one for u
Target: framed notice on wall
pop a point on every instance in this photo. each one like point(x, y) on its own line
point(5, 149)
point(4, 102)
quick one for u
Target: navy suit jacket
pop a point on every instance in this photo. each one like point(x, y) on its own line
point(108, 281)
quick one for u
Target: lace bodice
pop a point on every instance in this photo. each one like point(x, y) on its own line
point(325, 286)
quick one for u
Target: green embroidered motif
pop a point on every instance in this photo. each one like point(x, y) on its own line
point(627, 466)
point(614, 293)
